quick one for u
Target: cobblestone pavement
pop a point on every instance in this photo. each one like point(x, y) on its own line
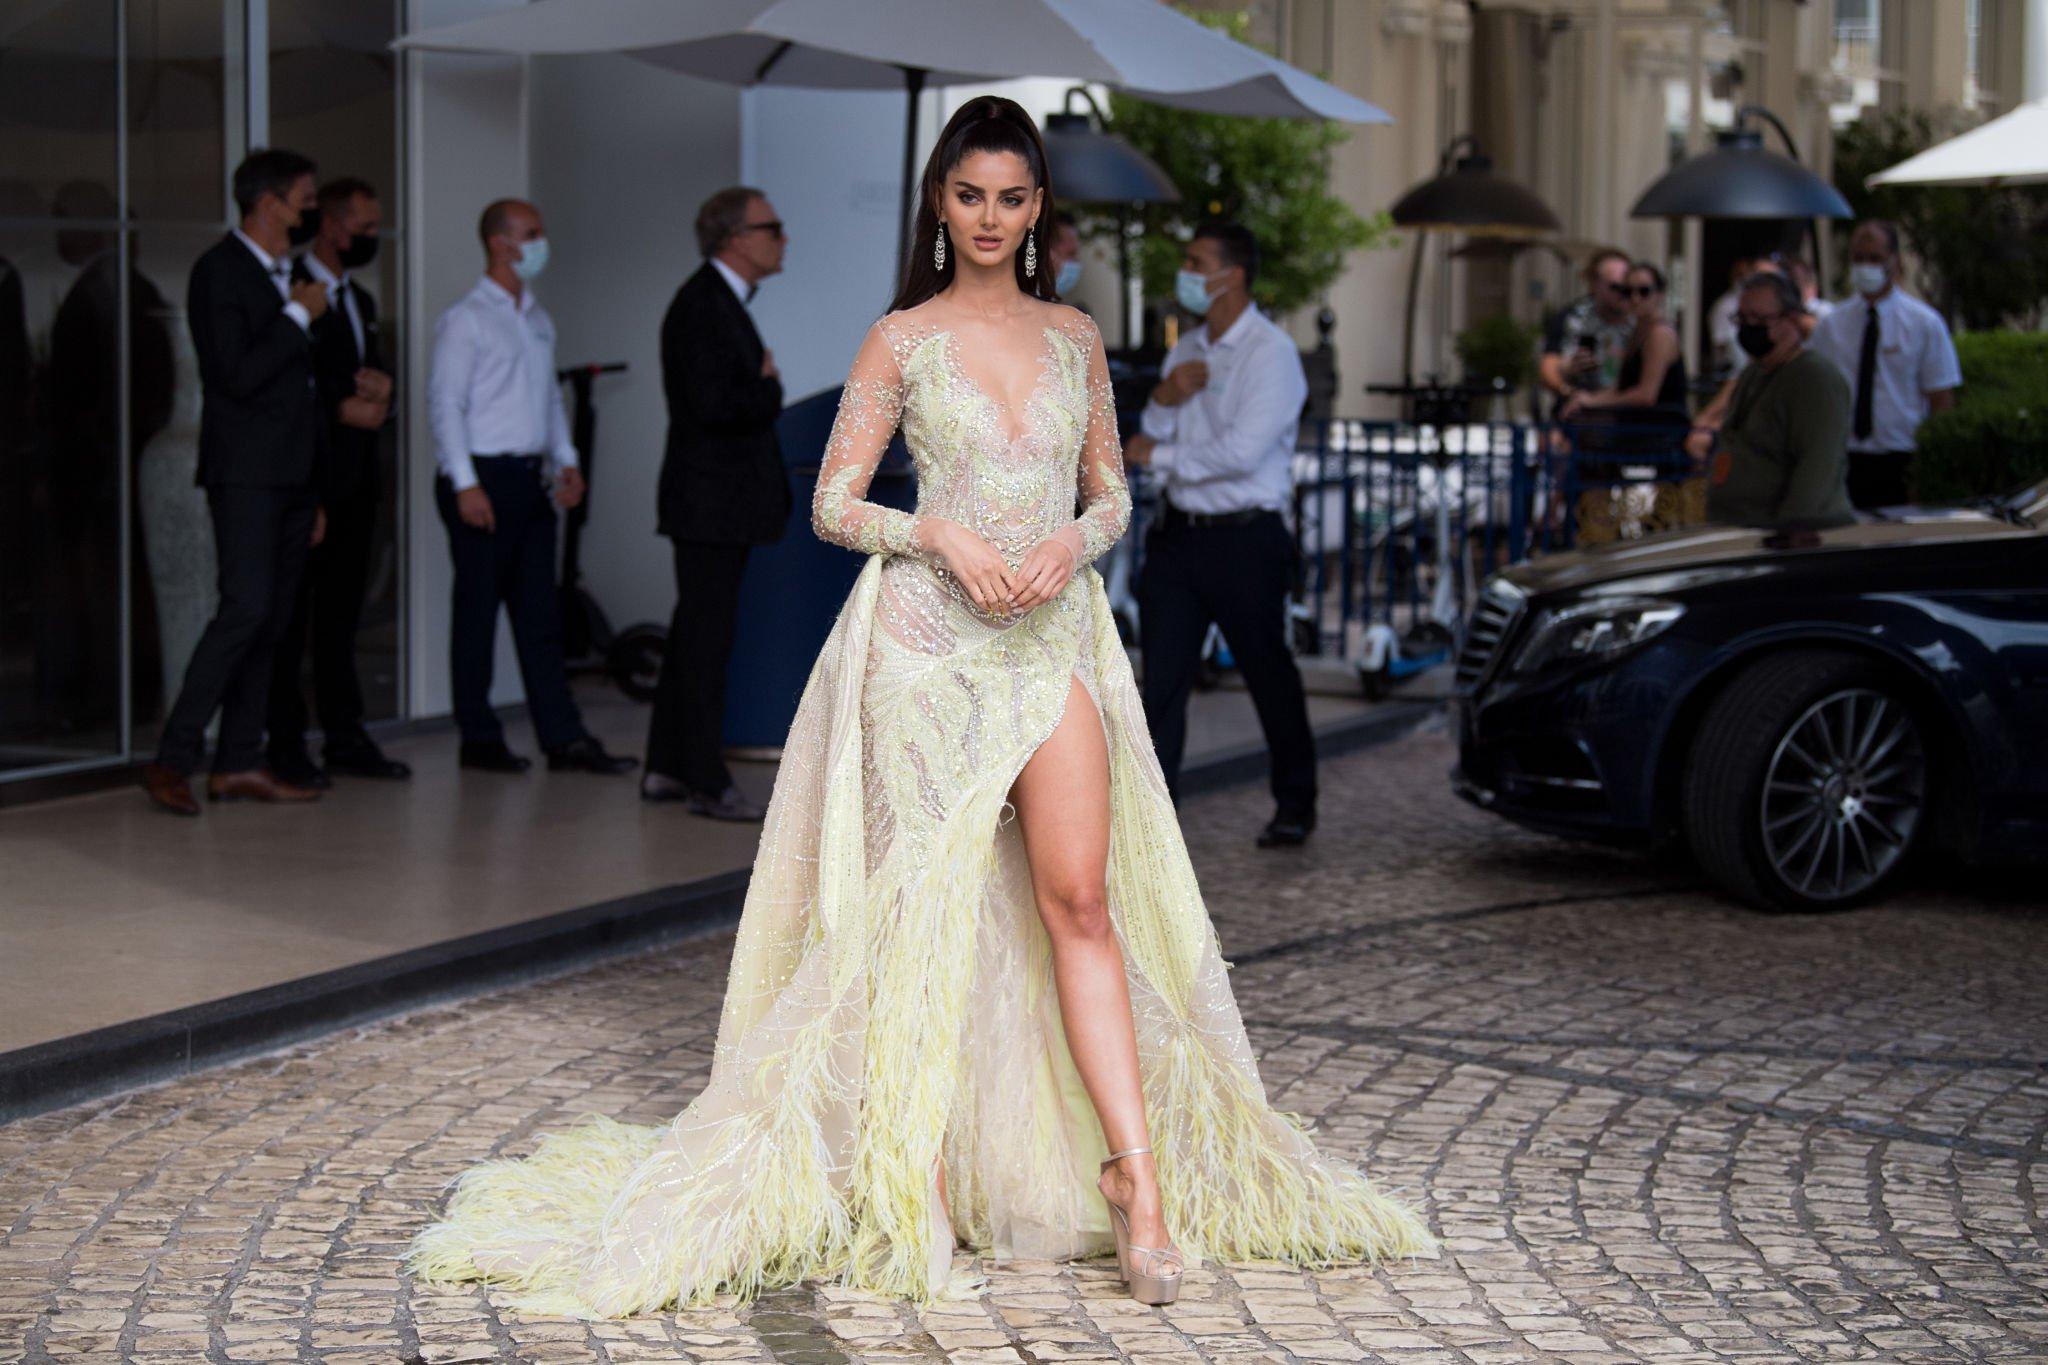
point(1647, 1125)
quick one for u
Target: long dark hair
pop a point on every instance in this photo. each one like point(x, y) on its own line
point(988, 123)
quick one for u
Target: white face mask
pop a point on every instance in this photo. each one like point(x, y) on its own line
point(1869, 279)
point(1067, 276)
point(533, 258)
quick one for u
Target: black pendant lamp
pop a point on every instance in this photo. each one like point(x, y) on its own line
point(1465, 197)
point(1739, 179)
point(1090, 166)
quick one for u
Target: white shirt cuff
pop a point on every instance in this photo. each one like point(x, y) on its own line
point(565, 459)
point(1158, 421)
point(296, 311)
point(461, 473)
point(1163, 457)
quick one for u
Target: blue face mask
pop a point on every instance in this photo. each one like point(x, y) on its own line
point(1067, 276)
point(533, 258)
point(1191, 291)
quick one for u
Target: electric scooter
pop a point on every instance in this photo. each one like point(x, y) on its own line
point(1387, 657)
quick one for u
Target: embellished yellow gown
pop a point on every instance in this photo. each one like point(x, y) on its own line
point(891, 1001)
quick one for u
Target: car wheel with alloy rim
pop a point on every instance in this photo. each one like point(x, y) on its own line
point(1807, 782)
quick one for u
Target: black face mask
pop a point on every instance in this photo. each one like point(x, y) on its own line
point(1755, 338)
point(360, 251)
point(307, 230)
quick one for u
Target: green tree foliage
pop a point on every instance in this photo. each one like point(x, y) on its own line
point(1267, 173)
point(1986, 250)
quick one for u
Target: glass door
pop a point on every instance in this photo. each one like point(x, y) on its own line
point(120, 122)
point(187, 121)
point(62, 268)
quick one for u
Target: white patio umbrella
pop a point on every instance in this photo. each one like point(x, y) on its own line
point(1142, 47)
point(2011, 149)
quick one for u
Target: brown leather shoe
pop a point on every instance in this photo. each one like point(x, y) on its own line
point(257, 784)
point(170, 789)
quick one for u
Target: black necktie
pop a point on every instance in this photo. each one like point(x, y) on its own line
point(752, 290)
point(1866, 377)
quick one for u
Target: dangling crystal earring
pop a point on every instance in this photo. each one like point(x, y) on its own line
point(1030, 252)
point(939, 249)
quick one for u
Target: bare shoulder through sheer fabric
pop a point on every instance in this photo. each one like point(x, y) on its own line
point(890, 1008)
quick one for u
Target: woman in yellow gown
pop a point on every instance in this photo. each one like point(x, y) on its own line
point(973, 961)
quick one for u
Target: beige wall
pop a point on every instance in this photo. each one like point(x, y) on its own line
point(1412, 58)
point(1582, 101)
point(1574, 99)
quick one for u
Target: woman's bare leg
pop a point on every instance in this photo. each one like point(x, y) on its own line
point(1062, 800)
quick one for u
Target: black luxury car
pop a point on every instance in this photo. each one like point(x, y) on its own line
point(1804, 710)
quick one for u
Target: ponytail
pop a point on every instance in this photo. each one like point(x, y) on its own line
point(988, 123)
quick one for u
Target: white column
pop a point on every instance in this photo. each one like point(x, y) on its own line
point(1696, 297)
point(256, 40)
point(1602, 144)
point(2034, 44)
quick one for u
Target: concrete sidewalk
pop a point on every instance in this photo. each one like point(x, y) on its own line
point(135, 946)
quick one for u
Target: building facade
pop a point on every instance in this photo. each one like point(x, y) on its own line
point(120, 121)
point(1587, 102)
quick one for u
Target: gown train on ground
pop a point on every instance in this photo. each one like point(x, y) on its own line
point(891, 1003)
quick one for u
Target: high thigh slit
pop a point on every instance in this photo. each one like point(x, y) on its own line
point(890, 1007)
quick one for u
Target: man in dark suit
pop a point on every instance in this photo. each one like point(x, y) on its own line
point(723, 489)
point(355, 400)
point(260, 437)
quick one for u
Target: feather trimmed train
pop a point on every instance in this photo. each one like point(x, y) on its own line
point(891, 1008)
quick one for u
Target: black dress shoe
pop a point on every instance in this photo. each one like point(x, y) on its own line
point(494, 758)
point(299, 770)
point(586, 755)
point(1287, 831)
point(362, 758)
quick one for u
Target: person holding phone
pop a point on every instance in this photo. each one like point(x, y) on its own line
point(1586, 340)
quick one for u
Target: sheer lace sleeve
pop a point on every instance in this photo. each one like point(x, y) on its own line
point(869, 409)
point(1105, 496)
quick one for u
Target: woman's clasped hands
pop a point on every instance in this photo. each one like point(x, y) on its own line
point(992, 585)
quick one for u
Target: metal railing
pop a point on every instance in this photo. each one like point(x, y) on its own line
point(1398, 524)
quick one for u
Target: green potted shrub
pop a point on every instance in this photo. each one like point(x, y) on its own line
point(1497, 353)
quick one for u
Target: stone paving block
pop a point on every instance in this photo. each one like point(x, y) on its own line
point(1648, 1126)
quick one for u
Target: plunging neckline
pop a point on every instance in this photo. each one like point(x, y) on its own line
point(1030, 400)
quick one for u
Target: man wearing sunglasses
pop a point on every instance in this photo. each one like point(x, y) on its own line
point(722, 491)
point(1586, 340)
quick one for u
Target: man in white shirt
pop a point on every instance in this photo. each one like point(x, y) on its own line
point(1900, 362)
point(502, 439)
point(1219, 436)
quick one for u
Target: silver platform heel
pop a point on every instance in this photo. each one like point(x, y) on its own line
point(1152, 1273)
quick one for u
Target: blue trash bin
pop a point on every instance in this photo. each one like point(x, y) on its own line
point(794, 588)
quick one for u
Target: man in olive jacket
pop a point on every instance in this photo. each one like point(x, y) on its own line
point(1782, 458)
point(723, 489)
